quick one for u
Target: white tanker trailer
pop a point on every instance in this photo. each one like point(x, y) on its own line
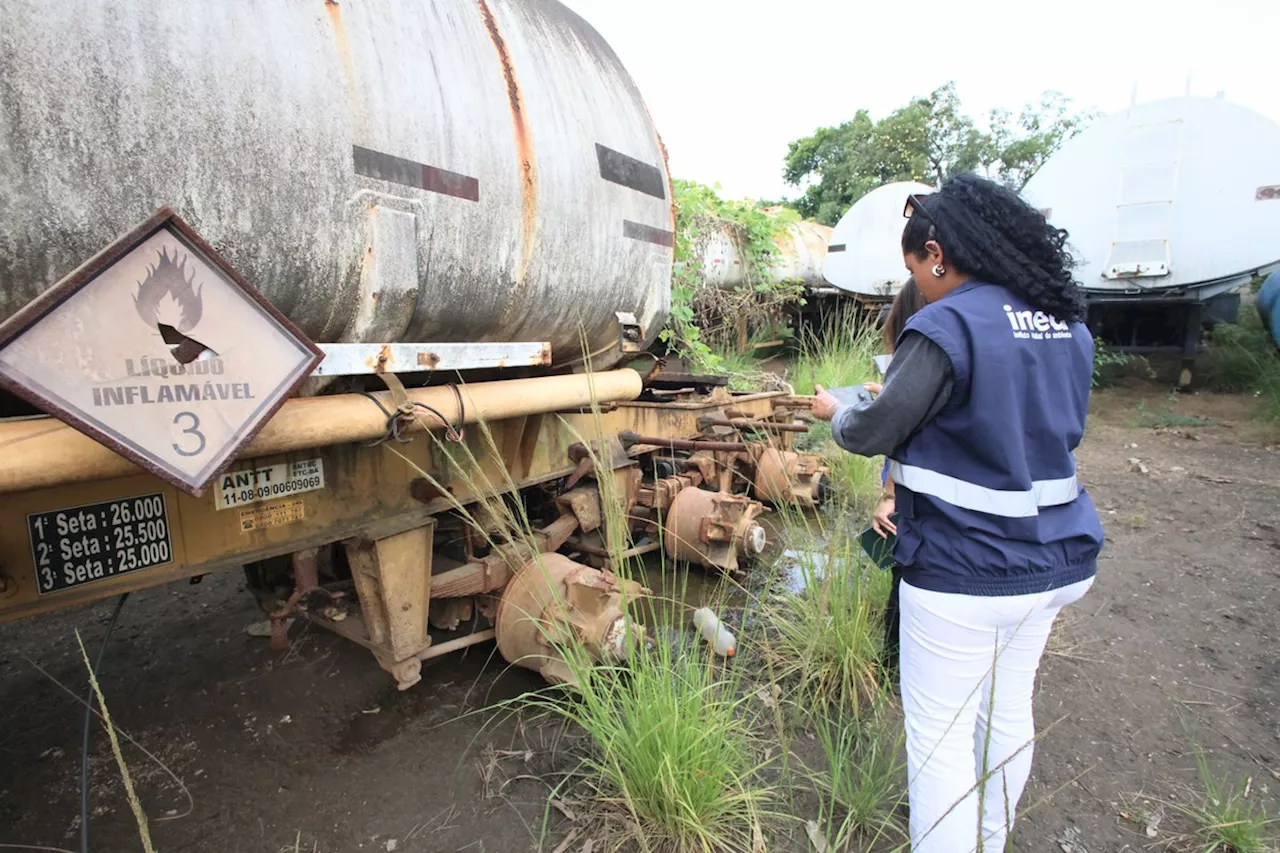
point(456, 211)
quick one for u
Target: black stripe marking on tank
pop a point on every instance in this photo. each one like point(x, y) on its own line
point(835, 247)
point(648, 234)
point(630, 172)
point(397, 170)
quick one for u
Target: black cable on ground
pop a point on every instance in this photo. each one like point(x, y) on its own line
point(88, 724)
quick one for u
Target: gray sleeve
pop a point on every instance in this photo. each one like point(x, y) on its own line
point(917, 386)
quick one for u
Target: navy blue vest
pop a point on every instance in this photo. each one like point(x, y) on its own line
point(987, 497)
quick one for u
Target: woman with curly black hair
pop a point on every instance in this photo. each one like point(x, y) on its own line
point(981, 411)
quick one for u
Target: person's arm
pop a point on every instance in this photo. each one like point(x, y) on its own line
point(916, 388)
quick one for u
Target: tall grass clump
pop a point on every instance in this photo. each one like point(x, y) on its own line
point(841, 353)
point(825, 635)
point(864, 779)
point(1243, 359)
point(673, 756)
point(1224, 818)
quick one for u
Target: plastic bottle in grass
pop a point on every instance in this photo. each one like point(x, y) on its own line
point(714, 632)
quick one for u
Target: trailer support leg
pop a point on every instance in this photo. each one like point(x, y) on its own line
point(393, 579)
point(1190, 341)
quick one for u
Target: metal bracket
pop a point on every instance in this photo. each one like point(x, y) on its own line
point(630, 333)
point(365, 359)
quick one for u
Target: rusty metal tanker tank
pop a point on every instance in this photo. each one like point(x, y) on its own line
point(437, 170)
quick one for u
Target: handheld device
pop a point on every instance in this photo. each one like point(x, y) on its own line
point(851, 394)
point(879, 548)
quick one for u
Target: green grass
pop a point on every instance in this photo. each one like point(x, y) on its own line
point(742, 368)
point(864, 780)
point(1168, 419)
point(855, 479)
point(674, 761)
point(1226, 820)
point(840, 353)
point(1243, 359)
point(1109, 365)
point(824, 642)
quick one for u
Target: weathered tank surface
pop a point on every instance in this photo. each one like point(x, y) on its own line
point(451, 170)
point(802, 248)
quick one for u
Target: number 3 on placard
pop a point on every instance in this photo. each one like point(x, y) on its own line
point(192, 430)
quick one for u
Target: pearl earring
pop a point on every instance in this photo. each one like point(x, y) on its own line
point(939, 270)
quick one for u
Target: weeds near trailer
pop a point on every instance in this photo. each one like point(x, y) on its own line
point(863, 782)
point(825, 639)
point(1109, 365)
point(743, 369)
point(1243, 359)
point(706, 318)
point(841, 353)
point(855, 480)
point(134, 804)
point(679, 755)
point(674, 762)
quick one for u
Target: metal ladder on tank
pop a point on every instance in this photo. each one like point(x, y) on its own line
point(1140, 249)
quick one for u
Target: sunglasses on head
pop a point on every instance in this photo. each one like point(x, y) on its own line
point(915, 203)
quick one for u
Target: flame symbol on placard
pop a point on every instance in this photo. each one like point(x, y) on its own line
point(168, 300)
point(169, 278)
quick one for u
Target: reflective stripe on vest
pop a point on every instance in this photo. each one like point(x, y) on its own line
point(971, 496)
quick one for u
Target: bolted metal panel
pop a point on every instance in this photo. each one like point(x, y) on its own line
point(398, 172)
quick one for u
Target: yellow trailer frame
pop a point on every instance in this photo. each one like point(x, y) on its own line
point(379, 502)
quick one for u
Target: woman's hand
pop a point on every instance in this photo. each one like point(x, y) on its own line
point(880, 518)
point(824, 405)
point(873, 387)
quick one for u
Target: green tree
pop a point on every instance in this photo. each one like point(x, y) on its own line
point(927, 140)
point(1040, 129)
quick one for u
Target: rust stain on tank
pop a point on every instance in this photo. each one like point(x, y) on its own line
point(428, 360)
point(334, 11)
point(378, 364)
point(524, 145)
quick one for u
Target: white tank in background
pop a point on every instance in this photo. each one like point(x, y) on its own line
point(801, 249)
point(864, 256)
point(1170, 206)
point(1176, 198)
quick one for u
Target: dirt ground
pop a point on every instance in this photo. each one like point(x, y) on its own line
point(318, 748)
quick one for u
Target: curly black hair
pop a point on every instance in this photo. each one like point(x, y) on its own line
point(989, 233)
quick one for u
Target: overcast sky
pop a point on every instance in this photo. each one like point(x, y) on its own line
point(731, 82)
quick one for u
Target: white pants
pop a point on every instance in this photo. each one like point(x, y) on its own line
point(968, 669)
